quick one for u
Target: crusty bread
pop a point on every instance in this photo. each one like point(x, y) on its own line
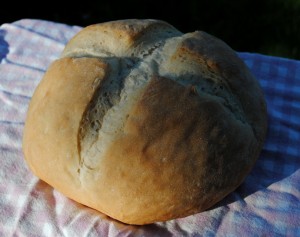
point(145, 123)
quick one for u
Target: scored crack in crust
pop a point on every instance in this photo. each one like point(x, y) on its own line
point(145, 123)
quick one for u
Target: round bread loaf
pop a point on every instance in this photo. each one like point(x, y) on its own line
point(144, 123)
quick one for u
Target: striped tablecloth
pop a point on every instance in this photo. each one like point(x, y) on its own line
point(266, 204)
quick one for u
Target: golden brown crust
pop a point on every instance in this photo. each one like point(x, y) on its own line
point(117, 37)
point(52, 124)
point(221, 60)
point(177, 154)
point(144, 123)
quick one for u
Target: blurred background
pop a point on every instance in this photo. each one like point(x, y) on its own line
point(269, 27)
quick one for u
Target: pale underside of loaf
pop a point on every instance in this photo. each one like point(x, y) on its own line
point(166, 124)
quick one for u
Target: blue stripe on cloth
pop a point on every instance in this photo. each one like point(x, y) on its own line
point(280, 81)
